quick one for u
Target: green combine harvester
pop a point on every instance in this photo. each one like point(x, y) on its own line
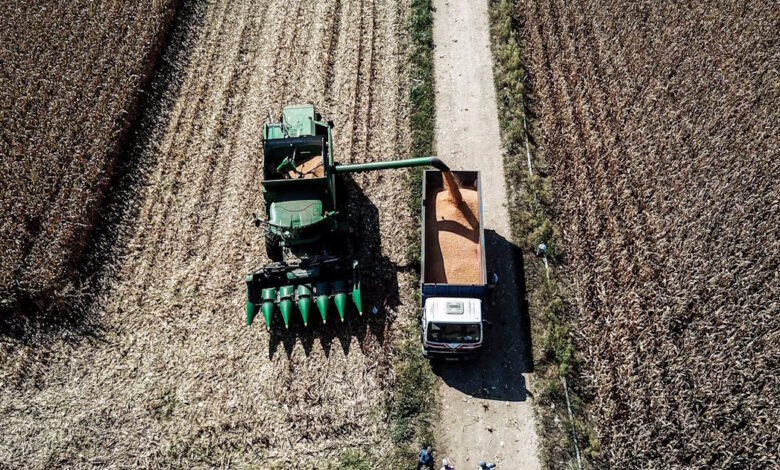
point(310, 245)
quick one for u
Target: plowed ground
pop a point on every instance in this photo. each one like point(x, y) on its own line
point(172, 375)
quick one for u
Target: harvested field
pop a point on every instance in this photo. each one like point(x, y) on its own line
point(71, 75)
point(658, 123)
point(173, 376)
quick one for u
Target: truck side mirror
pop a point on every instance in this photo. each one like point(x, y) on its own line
point(487, 324)
point(255, 219)
point(330, 124)
point(493, 281)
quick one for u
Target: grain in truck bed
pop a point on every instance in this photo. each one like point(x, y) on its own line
point(452, 236)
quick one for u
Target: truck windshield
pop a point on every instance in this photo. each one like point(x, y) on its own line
point(453, 332)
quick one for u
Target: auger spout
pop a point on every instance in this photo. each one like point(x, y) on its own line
point(406, 163)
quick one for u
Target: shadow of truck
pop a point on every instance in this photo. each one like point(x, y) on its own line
point(497, 372)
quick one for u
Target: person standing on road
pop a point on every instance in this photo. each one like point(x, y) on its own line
point(485, 466)
point(445, 465)
point(426, 458)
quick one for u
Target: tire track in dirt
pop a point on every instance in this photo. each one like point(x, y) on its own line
point(324, 19)
point(288, 49)
point(176, 124)
point(335, 28)
point(367, 76)
point(206, 152)
point(355, 55)
point(193, 153)
point(238, 134)
point(233, 134)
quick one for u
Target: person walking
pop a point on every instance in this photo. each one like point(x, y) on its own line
point(426, 458)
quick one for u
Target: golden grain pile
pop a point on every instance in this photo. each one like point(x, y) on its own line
point(71, 73)
point(659, 123)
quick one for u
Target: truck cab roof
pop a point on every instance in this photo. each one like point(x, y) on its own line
point(453, 310)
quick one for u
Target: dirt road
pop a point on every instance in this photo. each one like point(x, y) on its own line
point(170, 374)
point(486, 412)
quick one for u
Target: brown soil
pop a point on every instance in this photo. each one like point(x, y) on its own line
point(452, 236)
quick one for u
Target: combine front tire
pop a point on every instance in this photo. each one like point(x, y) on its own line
point(273, 247)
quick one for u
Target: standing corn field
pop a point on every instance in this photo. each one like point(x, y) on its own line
point(72, 75)
point(658, 125)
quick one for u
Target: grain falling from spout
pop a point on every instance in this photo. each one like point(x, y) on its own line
point(453, 187)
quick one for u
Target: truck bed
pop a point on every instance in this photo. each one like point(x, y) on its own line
point(453, 242)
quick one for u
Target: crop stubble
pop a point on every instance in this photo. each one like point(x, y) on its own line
point(659, 125)
point(177, 377)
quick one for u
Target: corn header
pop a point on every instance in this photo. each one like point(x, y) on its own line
point(310, 245)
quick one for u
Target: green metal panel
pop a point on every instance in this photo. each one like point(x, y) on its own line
point(322, 305)
point(251, 298)
point(304, 302)
point(251, 309)
point(296, 213)
point(356, 298)
point(340, 300)
point(269, 297)
point(322, 299)
point(285, 304)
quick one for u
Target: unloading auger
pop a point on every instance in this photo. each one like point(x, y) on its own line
point(310, 246)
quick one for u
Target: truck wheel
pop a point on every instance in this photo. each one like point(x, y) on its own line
point(273, 247)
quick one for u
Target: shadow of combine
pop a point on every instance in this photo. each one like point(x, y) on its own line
point(379, 279)
point(497, 372)
point(34, 325)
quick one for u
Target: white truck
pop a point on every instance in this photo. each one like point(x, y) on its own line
point(451, 323)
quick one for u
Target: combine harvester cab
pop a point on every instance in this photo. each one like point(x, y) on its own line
point(309, 244)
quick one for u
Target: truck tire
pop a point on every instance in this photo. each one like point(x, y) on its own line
point(273, 247)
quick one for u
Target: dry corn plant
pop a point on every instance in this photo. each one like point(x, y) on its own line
point(71, 74)
point(660, 122)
